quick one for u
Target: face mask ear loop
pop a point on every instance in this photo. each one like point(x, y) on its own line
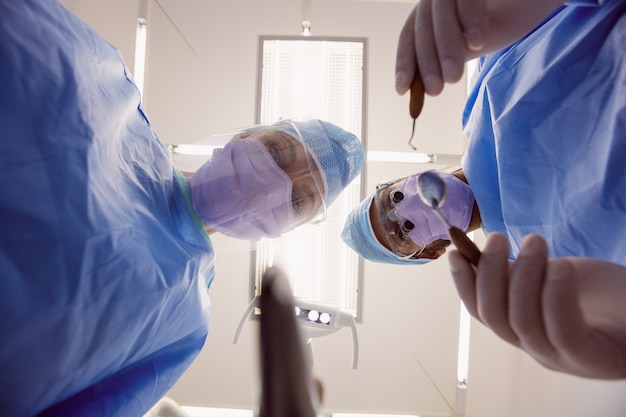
point(417, 254)
point(404, 258)
point(414, 255)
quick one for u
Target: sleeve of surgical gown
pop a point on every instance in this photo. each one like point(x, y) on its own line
point(104, 270)
point(546, 123)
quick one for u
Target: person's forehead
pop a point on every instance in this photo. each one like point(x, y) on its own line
point(268, 134)
point(294, 148)
point(299, 152)
point(390, 186)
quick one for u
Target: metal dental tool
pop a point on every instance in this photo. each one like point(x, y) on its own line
point(432, 190)
point(416, 102)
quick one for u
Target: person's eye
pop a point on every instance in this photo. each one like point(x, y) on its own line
point(275, 153)
point(405, 228)
point(396, 196)
point(296, 203)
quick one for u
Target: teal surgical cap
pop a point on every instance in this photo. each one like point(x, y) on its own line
point(338, 153)
point(359, 235)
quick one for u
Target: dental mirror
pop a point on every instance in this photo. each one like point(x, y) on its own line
point(432, 190)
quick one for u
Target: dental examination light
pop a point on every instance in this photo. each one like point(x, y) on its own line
point(315, 320)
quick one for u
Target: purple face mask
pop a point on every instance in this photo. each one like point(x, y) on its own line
point(242, 193)
point(457, 209)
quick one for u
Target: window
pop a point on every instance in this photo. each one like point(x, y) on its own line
point(302, 78)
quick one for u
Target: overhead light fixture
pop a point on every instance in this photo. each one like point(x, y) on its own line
point(464, 346)
point(307, 11)
point(195, 411)
point(140, 54)
point(462, 362)
point(192, 149)
point(167, 407)
point(370, 415)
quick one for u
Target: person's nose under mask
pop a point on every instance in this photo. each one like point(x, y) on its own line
point(241, 192)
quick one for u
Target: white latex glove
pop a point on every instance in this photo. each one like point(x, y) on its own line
point(442, 35)
point(566, 313)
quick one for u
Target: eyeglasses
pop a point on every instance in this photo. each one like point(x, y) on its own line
point(396, 228)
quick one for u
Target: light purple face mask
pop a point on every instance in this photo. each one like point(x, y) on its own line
point(242, 192)
point(457, 209)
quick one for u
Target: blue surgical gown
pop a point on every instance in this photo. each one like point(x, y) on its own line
point(546, 123)
point(104, 268)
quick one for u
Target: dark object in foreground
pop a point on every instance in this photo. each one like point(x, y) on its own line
point(287, 383)
point(416, 102)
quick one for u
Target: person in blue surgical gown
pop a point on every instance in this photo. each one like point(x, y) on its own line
point(546, 124)
point(105, 258)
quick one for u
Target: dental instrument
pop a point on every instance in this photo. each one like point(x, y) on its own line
point(416, 102)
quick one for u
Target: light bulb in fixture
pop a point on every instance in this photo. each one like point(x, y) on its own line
point(325, 318)
point(313, 315)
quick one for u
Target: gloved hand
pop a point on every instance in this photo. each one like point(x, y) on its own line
point(442, 35)
point(566, 313)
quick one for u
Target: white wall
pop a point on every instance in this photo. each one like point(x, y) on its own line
point(410, 313)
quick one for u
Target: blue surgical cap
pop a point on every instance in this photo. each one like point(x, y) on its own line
point(338, 153)
point(359, 235)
